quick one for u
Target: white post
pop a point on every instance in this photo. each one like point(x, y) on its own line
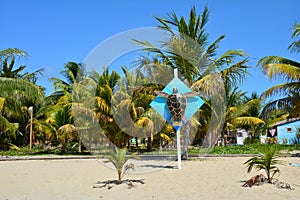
point(178, 133)
point(175, 72)
point(178, 149)
point(30, 109)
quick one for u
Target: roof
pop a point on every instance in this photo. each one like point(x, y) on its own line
point(285, 121)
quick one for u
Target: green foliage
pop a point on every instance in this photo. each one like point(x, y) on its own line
point(237, 149)
point(272, 140)
point(41, 151)
point(247, 140)
point(288, 70)
point(118, 158)
point(242, 149)
point(266, 161)
point(66, 131)
point(64, 116)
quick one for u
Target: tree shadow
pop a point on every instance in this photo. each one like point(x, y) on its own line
point(158, 166)
point(111, 183)
point(295, 155)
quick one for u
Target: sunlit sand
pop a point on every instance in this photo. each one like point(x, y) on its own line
point(204, 178)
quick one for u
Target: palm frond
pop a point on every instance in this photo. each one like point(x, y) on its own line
point(285, 103)
point(282, 89)
point(64, 116)
point(247, 121)
point(275, 66)
point(295, 46)
point(7, 127)
point(243, 109)
point(235, 74)
point(118, 157)
point(267, 161)
point(10, 86)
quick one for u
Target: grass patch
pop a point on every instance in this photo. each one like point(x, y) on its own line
point(241, 149)
point(24, 151)
point(235, 149)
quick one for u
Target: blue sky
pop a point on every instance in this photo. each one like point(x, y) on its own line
point(54, 32)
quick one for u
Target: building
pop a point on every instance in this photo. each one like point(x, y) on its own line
point(286, 131)
point(242, 134)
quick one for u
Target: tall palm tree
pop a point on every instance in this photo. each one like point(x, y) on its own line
point(190, 52)
point(289, 71)
point(111, 105)
point(7, 129)
point(43, 130)
point(73, 73)
point(238, 114)
point(7, 69)
point(18, 90)
point(254, 110)
point(66, 131)
point(63, 98)
point(106, 85)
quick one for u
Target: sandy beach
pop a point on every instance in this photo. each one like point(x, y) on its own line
point(204, 178)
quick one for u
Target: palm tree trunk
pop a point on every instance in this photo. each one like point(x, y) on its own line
point(64, 148)
point(136, 142)
point(269, 178)
point(149, 144)
point(186, 140)
point(160, 143)
point(79, 145)
point(119, 177)
point(128, 143)
point(223, 134)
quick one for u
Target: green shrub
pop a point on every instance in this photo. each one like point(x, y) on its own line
point(266, 161)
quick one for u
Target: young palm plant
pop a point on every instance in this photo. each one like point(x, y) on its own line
point(119, 158)
point(267, 161)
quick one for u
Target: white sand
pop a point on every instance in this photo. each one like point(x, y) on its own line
point(207, 178)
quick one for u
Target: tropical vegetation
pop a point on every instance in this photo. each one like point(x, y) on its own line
point(119, 113)
point(119, 159)
point(266, 161)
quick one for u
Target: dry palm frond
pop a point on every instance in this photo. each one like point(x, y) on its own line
point(247, 121)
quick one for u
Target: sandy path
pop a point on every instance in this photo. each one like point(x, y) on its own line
point(207, 178)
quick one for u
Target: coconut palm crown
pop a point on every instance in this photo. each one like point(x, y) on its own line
point(289, 71)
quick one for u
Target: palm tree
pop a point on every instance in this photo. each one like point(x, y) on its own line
point(43, 130)
point(73, 73)
point(140, 94)
point(267, 161)
point(19, 91)
point(66, 93)
point(254, 111)
point(190, 52)
point(106, 85)
point(7, 69)
point(288, 70)
point(118, 158)
point(238, 113)
point(7, 129)
point(66, 131)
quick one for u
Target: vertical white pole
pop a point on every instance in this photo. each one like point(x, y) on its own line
point(30, 134)
point(178, 133)
point(175, 72)
point(178, 149)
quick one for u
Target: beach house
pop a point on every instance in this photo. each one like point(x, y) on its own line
point(286, 131)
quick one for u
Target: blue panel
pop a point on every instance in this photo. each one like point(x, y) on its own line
point(159, 103)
